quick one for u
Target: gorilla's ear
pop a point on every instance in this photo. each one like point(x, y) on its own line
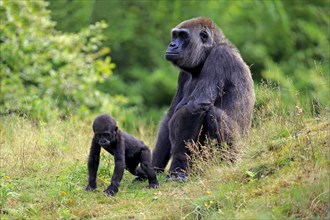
point(116, 128)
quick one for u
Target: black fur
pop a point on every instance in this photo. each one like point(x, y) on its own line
point(214, 98)
point(128, 153)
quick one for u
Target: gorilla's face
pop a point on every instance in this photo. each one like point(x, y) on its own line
point(180, 41)
point(105, 138)
point(189, 47)
point(105, 130)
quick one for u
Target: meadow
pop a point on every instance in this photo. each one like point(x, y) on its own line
point(282, 172)
point(64, 62)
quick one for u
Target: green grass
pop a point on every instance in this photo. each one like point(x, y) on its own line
point(282, 173)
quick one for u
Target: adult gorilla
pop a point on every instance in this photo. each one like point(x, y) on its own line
point(214, 98)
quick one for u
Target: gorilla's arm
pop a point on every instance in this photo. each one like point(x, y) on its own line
point(224, 98)
point(161, 153)
point(93, 164)
point(147, 168)
point(119, 154)
point(211, 83)
point(179, 100)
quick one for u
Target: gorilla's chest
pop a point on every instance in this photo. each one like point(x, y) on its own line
point(110, 148)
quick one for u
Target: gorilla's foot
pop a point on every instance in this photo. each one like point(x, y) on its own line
point(177, 176)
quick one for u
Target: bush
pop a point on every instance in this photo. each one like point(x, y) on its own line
point(46, 73)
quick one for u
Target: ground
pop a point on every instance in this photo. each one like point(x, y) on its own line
point(282, 172)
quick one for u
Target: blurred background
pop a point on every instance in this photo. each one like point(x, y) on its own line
point(64, 58)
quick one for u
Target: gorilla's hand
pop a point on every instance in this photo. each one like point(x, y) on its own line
point(195, 107)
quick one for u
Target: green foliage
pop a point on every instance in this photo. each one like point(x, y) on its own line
point(46, 73)
point(289, 47)
point(68, 12)
point(70, 71)
point(283, 41)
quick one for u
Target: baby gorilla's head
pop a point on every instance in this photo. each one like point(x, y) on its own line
point(105, 130)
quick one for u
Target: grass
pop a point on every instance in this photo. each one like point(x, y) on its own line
point(282, 173)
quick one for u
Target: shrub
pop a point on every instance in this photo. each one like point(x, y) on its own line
point(46, 73)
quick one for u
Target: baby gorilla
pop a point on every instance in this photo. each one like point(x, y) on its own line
point(128, 153)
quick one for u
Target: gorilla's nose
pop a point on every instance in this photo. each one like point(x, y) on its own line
point(103, 142)
point(172, 45)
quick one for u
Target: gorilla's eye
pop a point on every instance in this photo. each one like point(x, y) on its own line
point(203, 36)
point(183, 34)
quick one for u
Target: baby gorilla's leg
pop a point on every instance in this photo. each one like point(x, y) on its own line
point(140, 174)
point(146, 169)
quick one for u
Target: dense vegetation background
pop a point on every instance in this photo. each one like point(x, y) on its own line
point(62, 62)
point(80, 57)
